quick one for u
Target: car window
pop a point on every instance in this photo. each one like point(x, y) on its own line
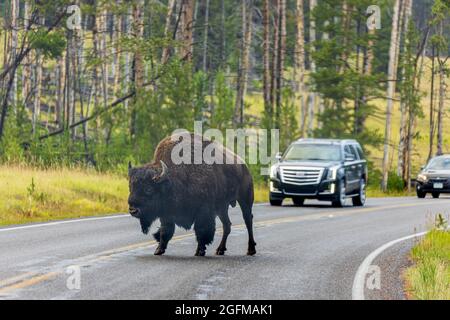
point(313, 152)
point(360, 152)
point(439, 164)
point(349, 152)
point(355, 152)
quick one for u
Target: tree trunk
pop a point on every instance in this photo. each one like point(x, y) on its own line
point(166, 49)
point(276, 43)
point(300, 64)
point(404, 136)
point(37, 88)
point(187, 30)
point(14, 45)
point(312, 95)
point(205, 42)
point(247, 16)
point(138, 61)
point(268, 107)
point(432, 116)
point(442, 91)
point(60, 91)
point(116, 53)
point(26, 71)
point(392, 77)
point(281, 60)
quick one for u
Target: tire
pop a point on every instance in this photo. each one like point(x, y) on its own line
point(360, 200)
point(436, 195)
point(421, 194)
point(339, 201)
point(276, 203)
point(298, 201)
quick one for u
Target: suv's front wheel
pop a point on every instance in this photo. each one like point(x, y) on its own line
point(276, 203)
point(360, 199)
point(339, 201)
point(421, 194)
point(298, 201)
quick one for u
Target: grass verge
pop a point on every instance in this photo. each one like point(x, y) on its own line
point(429, 277)
point(37, 195)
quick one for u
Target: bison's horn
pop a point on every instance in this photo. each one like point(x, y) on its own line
point(163, 176)
point(130, 167)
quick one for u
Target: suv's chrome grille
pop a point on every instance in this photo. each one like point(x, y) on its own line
point(301, 176)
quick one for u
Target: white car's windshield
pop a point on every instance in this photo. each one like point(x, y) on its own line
point(439, 164)
point(314, 152)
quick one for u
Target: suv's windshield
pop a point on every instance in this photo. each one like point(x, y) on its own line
point(314, 152)
point(439, 164)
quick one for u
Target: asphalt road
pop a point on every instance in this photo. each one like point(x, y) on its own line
point(311, 252)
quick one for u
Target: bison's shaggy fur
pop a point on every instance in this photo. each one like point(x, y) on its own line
point(189, 195)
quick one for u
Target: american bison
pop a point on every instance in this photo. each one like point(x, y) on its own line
point(187, 195)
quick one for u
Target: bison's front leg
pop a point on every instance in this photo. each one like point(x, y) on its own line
point(165, 235)
point(226, 232)
point(205, 228)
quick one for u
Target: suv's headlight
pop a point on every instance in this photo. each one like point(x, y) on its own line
point(333, 173)
point(422, 177)
point(274, 172)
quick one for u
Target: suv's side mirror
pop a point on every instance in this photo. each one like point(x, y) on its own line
point(279, 156)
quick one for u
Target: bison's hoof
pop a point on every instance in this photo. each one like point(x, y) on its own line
point(221, 252)
point(251, 252)
point(159, 252)
point(200, 253)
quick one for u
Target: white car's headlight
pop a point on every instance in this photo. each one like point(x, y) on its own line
point(274, 172)
point(422, 177)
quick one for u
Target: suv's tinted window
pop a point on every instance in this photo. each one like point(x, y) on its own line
point(355, 152)
point(313, 152)
point(360, 151)
point(349, 152)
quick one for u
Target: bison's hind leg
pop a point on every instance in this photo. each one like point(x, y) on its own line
point(157, 235)
point(205, 228)
point(225, 219)
point(248, 218)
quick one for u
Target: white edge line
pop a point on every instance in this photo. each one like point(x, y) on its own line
point(360, 277)
point(56, 223)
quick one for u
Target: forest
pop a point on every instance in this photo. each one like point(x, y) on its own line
point(96, 84)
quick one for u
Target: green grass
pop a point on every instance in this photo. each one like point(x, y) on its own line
point(35, 195)
point(429, 277)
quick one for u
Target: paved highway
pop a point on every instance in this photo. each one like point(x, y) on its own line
point(312, 252)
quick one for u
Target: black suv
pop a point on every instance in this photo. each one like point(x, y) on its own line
point(326, 170)
point(434, 178)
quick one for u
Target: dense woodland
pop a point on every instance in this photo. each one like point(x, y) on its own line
point(132, 71)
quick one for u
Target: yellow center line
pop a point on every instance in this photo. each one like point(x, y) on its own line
point(29, 282)
point(19, 283)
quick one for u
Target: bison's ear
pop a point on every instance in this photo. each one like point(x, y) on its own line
point(164, 174)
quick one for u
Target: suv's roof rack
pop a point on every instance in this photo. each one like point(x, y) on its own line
point(337, 141)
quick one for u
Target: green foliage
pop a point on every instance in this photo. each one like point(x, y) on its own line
point(289, 129)
point(50, 44)
point(223, 104)
point(344, 88)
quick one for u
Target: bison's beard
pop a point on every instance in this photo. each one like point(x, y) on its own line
point(146, 224)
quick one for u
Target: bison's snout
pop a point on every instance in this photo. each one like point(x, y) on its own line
point(134, 212)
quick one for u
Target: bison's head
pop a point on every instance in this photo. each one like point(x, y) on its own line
point(148, 187)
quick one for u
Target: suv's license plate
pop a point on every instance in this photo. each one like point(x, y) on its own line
point(439, 186)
